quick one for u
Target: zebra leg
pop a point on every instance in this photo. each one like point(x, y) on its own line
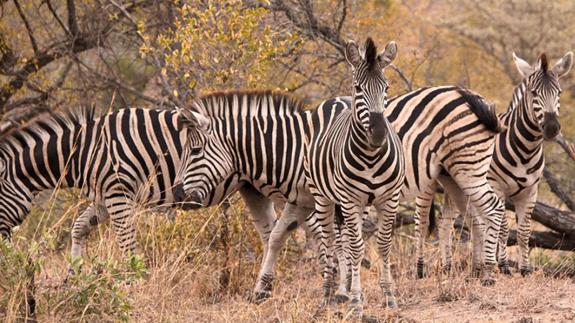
point(293, 215)
point(344, 262)
point(423, 203)
point(444, 231)
point(503, 262)
point(321, 221)
point(524, 204)
point(477, 239)
point(263, 214)
point(84, 224)
point(387, 213)
point(489, 205)
point(121, 212)
point(355, 248)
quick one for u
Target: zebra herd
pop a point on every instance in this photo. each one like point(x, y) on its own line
point(327, 165)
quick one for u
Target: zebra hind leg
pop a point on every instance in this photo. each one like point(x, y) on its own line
point(424, 203)
point(84, 224)
point(502, 260)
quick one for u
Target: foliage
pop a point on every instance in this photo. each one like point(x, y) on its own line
point(216, 44)
point(95, 293)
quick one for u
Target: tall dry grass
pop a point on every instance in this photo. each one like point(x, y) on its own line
point(202, 266)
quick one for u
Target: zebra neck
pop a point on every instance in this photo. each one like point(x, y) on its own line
point(357, 139)
point(522, 131)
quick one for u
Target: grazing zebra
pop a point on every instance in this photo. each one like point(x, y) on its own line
point(443, 130)
point(518, 159)
point(127, 157)
point(354, 160)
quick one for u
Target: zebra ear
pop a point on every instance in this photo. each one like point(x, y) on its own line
point(194, 119)
point(352, 54)
point(522, 66)
point(388, 54)
point(563, 66)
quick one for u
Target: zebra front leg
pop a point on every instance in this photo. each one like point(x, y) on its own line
point(343, 260)
point(354, 248)
point(121, 212)
point(84, 224)
point(263, 215)
point(293, 215)
point(387, 213)
point(321, 222)
point(524, 204)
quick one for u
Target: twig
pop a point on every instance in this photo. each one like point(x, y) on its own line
point(28, 27)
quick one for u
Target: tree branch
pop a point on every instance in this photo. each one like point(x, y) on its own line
point(27, 25)
point(555, 187)
point(72, 21)
point(568, 146)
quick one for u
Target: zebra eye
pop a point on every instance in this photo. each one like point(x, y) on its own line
point(196, 150)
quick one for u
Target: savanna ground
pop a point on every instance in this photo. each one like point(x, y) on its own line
point(202, 266)
point(60, 54)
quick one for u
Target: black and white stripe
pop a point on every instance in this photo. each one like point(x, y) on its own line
point(124, 159)
point(518, 160)
point(354, 160)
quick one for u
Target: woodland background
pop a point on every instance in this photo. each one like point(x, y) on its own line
point(62, 54)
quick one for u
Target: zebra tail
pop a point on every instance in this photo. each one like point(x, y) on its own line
point(432, 218)
point(483, 110)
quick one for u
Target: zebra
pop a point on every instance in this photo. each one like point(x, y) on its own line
point(443, 130)
point(354, 159)
point(125, 158)
point(518, 160)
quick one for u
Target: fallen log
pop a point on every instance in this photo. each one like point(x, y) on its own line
point(553, 218)
point(545, 240)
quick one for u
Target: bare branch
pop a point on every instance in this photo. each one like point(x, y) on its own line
point(555, 187)
point(27, 25)
point(57, 17)
point(569, 147)
point(72, 21)
point(408, 84)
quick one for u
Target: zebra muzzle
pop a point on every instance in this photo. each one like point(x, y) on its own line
point(551, 126)
point(377, 131)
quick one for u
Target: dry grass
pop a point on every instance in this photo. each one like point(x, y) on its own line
point(185, 264)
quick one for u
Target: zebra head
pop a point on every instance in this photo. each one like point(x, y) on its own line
point(205, 163)
point(370, 87)
point(15, 198)
point(542, 91)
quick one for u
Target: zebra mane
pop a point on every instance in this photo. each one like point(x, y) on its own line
point(211, 101)
point(68, 118)
point(371, 54)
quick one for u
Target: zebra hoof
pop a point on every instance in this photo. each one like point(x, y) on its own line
point(389, 300)
point(420, 270)
point(260, 296)
point(340, 298)
point(526, 271)
point(369, 319)
point(488, 281)
point(366, 263)
point(505, 270)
